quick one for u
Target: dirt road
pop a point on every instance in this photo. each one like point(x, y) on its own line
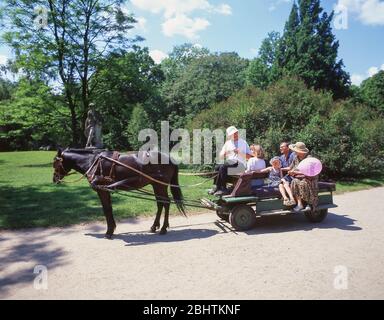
point(284, 257)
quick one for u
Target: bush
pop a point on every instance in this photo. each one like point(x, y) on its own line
point(372, 91)
point(33, 117)
point(347, 137)
point(139, 120)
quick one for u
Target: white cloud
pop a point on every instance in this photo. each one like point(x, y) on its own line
point(141, 24)
point(157, 55)
point(357, 79)
point(272, 8)
point(369, 12)
point(183, 25)
point(198, 46)
point(277, 3)
point(177, 14)
point(224, 9)
point(171, 7)
point(3, 59)
point(254, 51)
point(372, 71)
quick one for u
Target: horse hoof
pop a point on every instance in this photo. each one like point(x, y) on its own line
point(163, 231)
point(108, 236)
point(154, 228)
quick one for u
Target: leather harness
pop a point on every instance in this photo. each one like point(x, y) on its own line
point(99, 166)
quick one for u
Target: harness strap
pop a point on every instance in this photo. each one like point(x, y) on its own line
point(115, 156)
point(89, 173)
point(147, 176)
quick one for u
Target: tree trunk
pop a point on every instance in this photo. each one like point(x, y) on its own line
point(75, 136)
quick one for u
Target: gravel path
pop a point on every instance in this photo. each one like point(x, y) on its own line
point(284, 257)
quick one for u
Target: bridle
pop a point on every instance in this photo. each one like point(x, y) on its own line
point(60, 173)
point(59, 170)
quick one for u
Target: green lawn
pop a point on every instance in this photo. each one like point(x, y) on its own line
point(28, 198)
point(347, 186)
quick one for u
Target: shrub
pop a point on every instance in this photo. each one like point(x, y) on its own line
point(348, 137)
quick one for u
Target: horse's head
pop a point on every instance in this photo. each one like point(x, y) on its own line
point(60, 166)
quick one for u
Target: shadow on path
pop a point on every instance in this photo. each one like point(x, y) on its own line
point(23, 258)
point(297, 222)
point(138, 238)
point(48, 205)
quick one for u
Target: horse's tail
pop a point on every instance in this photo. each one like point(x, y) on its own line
point(176, 191)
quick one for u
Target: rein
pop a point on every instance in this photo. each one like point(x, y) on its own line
point(198, 174)
point(149, 177)
point(98, 159)
point(68, 174)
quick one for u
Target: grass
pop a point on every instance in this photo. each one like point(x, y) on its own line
point(356, 185)
point(28, 198)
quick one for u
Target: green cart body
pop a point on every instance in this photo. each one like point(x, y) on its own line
point(243, 206)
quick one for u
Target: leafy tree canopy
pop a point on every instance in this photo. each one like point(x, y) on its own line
point(372, 90)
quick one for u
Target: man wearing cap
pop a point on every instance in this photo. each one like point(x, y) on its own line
point(287, 156)
point(235, 152)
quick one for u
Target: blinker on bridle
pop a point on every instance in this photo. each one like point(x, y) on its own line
point(58, 164)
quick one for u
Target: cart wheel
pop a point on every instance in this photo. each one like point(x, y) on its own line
point(222, 215)
point(316, 216)
point(242, 217)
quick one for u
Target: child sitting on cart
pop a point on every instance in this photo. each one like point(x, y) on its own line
point(275, 179)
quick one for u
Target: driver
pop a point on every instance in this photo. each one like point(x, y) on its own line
point(235, 153)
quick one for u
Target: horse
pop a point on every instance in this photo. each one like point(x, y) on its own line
point(132, 174)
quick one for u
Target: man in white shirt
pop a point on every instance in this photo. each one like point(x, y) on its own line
point(235, 152)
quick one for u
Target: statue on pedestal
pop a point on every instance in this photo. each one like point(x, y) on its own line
point(92, 129)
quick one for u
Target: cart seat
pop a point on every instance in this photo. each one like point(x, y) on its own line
point(273, 192)
point(326, 186)
point(244, 187)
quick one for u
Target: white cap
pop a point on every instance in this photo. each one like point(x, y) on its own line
point(231, 130)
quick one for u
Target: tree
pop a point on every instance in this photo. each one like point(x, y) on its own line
point(123, 80)
point(262, 70)
point(269, 48)
point(62, 40)
point(309, 49)
point(287, 54)
point(372, 90)
point(139, 120)
point(32, 117)
point(203, 81)
point(258, 74)
point(346, 136)
point(6, 88)
point(180, 57)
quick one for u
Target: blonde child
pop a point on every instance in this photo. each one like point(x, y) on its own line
point(276, 179)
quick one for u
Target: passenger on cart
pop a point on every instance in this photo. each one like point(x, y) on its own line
point(304, 188)
point(235, 154)
point(256, 164)
point(287, 156)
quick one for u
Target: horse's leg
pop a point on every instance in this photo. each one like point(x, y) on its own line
point(156, 223)
point(166, 219)
point(162, 192)
point(162, 199)
point(105, 199)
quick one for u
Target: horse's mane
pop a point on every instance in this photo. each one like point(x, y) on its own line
point(85, 151)
point(89, 154)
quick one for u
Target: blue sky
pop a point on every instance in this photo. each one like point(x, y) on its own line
point(241, 25)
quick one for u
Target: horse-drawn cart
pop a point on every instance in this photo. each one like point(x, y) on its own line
point(245, 204)
point(109, 172)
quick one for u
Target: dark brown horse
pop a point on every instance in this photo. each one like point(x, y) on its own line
point(104, 172)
